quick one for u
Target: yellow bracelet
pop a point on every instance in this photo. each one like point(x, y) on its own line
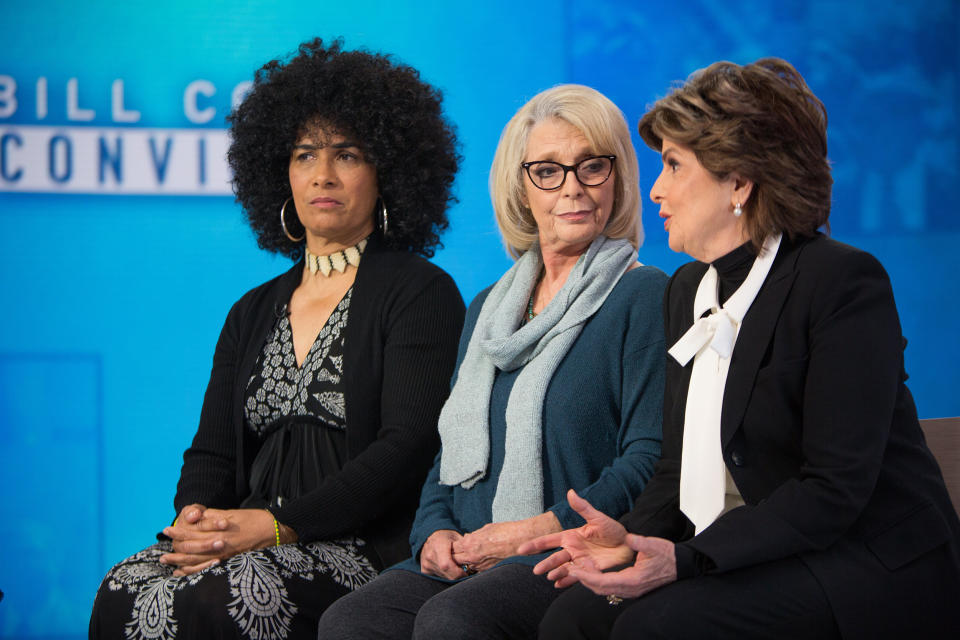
point(175, 520)
point(276, 529)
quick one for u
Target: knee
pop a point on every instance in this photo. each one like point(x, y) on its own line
point(341, 618)
point(560, 623)
point(203, 606)
point(102, 623)
point(578, 614)
point(642, 619)
point(441, 618)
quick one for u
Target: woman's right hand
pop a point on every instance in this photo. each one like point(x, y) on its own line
point(436, 555)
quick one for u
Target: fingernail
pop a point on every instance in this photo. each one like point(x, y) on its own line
point(218, 544)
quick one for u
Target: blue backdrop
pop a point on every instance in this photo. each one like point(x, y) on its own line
point(121, 254)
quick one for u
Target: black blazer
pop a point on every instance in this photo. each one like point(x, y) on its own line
point(821, 437)
point(400, 347)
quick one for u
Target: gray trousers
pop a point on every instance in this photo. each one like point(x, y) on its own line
point(503, 602)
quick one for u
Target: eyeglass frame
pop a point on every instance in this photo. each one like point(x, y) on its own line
point(567, 168)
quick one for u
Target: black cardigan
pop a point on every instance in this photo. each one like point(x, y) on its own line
point(400, 346)
point(821, 437)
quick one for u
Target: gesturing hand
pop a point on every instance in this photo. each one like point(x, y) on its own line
point(655, 566)
point(597, 545)
point(436, 555)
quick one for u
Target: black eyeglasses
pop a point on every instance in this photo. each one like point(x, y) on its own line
point(590, 172)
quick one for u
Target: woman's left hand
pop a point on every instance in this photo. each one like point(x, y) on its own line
point(655, 566)
point(488, 545)
point(220, 534)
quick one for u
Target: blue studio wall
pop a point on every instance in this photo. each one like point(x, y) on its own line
point(121, 248)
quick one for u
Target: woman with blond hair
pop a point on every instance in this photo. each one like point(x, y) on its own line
point(558, 384)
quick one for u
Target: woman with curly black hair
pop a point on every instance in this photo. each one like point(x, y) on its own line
point(319, 421)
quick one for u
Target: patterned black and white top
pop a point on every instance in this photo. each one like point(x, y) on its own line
point(280, 389)
point(297, 412)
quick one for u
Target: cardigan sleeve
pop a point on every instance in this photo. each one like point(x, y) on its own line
point(639, 395)
point(848, 381)
point(419, 348)
point(208, 475)
point(435, 511)
point(436, 500)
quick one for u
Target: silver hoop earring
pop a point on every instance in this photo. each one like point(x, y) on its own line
point(283, 225)
point(383, 217)
point(738, 210)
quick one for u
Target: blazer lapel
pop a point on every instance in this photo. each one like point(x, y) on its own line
point(755, 334)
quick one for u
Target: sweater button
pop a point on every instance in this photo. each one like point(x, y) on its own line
point(736, 458)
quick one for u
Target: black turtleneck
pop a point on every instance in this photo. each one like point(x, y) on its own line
point(732, 270)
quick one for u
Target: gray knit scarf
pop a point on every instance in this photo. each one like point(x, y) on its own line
point(538, 346)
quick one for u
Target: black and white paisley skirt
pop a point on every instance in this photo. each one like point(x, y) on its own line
point(271, 593)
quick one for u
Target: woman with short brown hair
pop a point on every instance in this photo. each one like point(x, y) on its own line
point(796, 497)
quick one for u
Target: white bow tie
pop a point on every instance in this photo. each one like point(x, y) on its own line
point(718, 329)
point(702, 469)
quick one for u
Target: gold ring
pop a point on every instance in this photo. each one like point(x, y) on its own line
point(613, 600)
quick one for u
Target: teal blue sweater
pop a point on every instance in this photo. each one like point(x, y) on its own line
point(601, 418)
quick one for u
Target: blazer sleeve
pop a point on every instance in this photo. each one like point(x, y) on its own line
point(419, 352)
point(209, 472)
point(834, 401)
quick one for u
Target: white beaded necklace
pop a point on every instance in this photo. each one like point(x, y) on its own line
point(337, 260)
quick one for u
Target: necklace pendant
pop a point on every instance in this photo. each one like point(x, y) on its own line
point(324, 265)
point(338, 260)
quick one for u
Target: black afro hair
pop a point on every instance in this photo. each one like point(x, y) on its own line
point(383, 104)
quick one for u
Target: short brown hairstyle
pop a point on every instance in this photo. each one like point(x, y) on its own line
point(760, 121)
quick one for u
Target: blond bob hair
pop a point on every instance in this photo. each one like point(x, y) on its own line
point(605, 129)
point(762, 122)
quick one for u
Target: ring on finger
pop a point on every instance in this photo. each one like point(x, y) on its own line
point(614, 600)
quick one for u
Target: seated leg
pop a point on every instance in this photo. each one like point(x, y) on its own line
point(773, 600)
point(380, 610)
point(504, 602)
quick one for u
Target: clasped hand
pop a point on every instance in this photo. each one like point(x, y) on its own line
point(203, 537)
point(588, 552)
point(447, 552)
